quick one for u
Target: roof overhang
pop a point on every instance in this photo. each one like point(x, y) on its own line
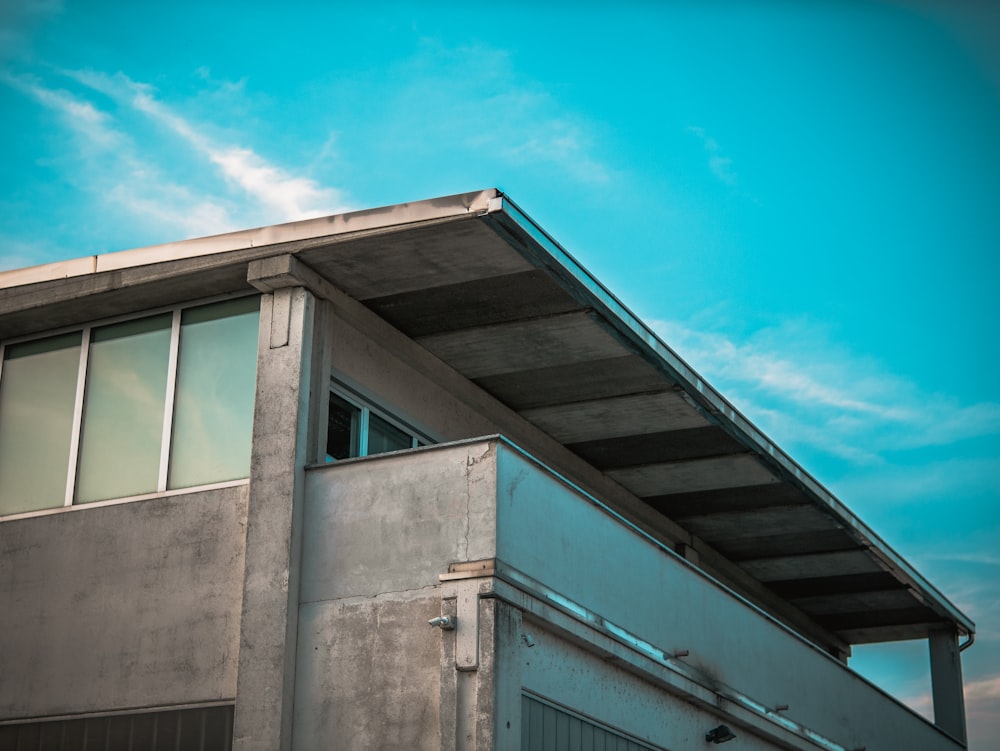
point(480, 285)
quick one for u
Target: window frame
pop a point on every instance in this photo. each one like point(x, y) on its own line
point(368, 406)
point(72, 469)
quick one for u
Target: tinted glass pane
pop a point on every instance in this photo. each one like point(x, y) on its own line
point(382, 436)
point(342, 429)
point(123, 409)
point(216, 379)
point(37, 394)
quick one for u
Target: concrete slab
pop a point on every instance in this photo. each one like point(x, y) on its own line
point(696, 474)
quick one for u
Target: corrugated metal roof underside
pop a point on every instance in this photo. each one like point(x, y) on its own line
point(489, 301)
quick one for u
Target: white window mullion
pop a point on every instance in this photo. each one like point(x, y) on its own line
point(168, 407)
point(74, 441)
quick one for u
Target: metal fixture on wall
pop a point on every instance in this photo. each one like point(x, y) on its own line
point(719, 734)
point(443, 622)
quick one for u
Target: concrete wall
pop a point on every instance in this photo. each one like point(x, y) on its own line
point(379, 531)
point(573, 547)
point(556, 669)
point(126, 605)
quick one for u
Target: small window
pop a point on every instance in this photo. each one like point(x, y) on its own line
point(357, 428)
point(383, 436)
point(343, 429)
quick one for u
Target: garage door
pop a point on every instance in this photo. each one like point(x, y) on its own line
point(548, 728)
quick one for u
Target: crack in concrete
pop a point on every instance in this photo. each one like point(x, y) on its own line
point(470, 464)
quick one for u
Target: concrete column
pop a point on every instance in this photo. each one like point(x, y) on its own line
point(946, 683)
point(283, 443)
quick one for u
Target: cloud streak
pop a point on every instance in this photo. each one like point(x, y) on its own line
point(494, 108)
point(806, 390)
point(187, 183)
point(287, 197)
point(111, 168)
point(720, 165)
point(982, 708)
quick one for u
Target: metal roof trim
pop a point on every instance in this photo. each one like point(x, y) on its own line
point(717, 406)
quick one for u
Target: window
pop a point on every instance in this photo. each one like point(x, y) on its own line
point(356, 428)
point(37, 393)
point(129, 408)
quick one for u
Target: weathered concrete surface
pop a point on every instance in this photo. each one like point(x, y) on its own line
point(380, 530)
point(393, 523)
point(560, 671)
point(281, 443)
point(126, 605)
point(368, 675)
point(586, 555)
point(371, 356)
point(376, 535)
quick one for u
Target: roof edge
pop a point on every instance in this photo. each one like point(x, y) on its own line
point(454, 206)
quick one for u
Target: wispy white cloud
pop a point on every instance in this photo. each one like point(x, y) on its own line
point(943, 478)
point(176, 175)
point(987, 559)
point(288, 197)
point(80, 115)
point(493, 107)
point(720, 164)
point(982, 709)
point(561, 142)
point(112, 169)
point(16, 253)
point(803, 388)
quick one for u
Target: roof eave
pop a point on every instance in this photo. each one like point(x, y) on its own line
point(514, 221)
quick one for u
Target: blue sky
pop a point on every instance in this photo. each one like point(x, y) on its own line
point(802, 199)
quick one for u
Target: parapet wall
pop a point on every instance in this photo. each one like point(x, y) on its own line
point(122, 606)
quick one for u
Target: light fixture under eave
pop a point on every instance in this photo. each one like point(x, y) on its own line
point(719, 734)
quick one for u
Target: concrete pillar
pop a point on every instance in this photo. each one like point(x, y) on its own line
point(946, 683)
point(285, 415)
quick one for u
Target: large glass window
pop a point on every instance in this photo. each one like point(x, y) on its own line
point(130, 408)
point(37, 395)
point(123, 409)
point(213, 412)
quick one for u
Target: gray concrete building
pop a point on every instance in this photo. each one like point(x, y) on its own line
point(411, 478)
